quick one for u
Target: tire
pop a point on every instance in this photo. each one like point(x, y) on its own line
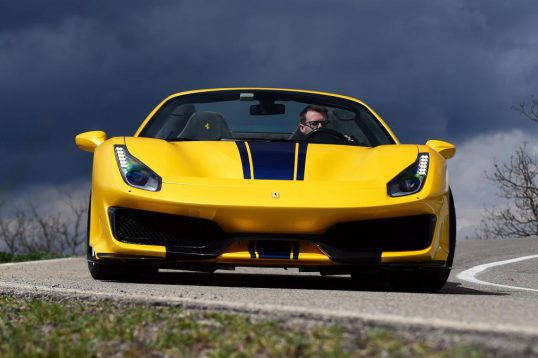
point(105, 271)
point(430, 280)
point(99, 270)
point(452, 230)
point(112, 270)
point(366, 278)
point(419, 281)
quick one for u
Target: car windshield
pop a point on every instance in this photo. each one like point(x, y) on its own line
point(269, 115)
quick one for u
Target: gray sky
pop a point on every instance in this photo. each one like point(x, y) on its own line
point(432, 69)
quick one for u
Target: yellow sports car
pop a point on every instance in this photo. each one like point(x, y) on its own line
point(267, 177)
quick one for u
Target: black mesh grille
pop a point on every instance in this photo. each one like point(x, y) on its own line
point(150, 228)
point(394, 234)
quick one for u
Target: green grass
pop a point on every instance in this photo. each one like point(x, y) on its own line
point(7, 257)
point(64, 328)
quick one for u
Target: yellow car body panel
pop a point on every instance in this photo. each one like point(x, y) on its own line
point(219, 192)
point(206, 180)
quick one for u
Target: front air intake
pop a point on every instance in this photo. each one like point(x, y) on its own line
point(150, 228)
point(407, 233)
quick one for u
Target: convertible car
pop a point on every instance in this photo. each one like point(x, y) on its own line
point(220, 178)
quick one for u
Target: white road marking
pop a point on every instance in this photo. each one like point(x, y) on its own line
point(470, 274)
point(269, 309)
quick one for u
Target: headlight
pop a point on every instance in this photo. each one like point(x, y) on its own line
point(411, 180)
point(134, 172)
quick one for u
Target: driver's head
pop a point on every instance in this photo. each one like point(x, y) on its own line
point(312, 118)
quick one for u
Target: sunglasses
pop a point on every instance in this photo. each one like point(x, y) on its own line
point(315, 124)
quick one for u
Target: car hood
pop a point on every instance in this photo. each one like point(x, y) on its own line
point(179, 162)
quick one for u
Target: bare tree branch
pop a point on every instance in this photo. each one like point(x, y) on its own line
point(72, 235)
point(517, 180)
point(528, 110)
point(47, 238)
point(32, 230)
point(13, 232)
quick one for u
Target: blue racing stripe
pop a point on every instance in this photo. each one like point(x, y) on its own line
point(252, 249)
point(301, 160)
point(244, 159)
point(273, 249)
point(272, 160)
point(295, 250)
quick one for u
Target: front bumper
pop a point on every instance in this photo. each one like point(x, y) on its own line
point(188, 238)
point(409, 231)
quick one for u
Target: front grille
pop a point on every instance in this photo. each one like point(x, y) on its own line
point(151, 228)
point(394, 234)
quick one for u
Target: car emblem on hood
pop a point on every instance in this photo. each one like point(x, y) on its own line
point(276, 195)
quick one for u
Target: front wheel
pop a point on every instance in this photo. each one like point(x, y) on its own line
point(431, 280)
point(424, 280)
point(111, 270)
point(117, 271)
point(419, 281)
point(102, 270)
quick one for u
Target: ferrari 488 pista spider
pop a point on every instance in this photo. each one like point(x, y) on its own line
point(266, 177)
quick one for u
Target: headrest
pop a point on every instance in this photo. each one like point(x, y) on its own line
point(184, 109)
point(175, 122)
point(206, 126)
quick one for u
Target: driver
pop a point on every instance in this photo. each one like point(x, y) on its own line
point(311, 118)
point(314, 117)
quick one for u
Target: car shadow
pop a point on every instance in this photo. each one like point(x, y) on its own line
point(298, 282)
point(456, 288)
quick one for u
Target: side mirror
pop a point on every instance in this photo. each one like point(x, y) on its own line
point(447, 150)
point(88, 141)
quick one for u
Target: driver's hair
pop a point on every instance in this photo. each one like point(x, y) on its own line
point(314, 108)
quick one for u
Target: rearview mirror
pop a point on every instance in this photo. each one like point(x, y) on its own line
point(267, 109)
point(447, 150)
point(88, 141)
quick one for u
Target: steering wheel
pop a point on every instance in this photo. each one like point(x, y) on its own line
point(328, 136)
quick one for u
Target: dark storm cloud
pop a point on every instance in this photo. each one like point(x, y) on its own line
point(447, 69)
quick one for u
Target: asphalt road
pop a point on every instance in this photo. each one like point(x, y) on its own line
point(509, 314)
